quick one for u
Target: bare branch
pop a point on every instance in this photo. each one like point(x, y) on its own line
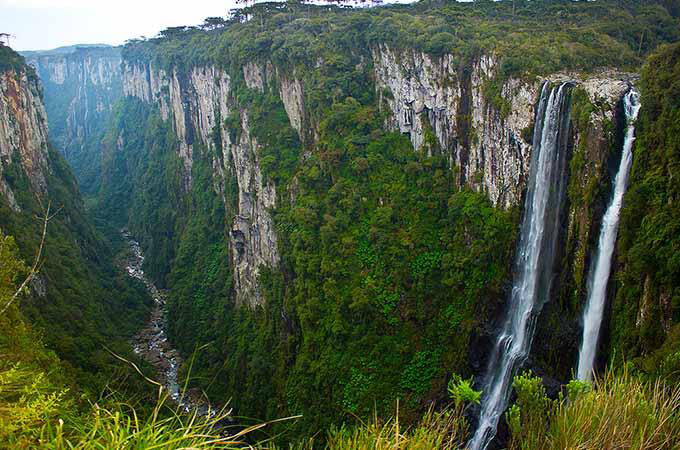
point(37, 263)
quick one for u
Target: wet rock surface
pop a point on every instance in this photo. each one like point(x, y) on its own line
point(151, 343)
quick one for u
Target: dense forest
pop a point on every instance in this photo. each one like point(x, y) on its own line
point(320, 265)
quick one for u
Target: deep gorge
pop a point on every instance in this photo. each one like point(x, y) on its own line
point(336, 208)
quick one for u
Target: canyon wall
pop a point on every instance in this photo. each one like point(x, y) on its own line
point(197, 104)
point(75, 276)
point(81, 88)
point(487, 146)
point(23, 131)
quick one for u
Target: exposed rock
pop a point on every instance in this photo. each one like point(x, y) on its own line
point(491, 151)
point(23, 131)
point(293, 101)
point(137, 81)
point(253, 239)
point(81, 88)
point(253, 74)
point(197, 103)
point(499, 153)
point(646, 302)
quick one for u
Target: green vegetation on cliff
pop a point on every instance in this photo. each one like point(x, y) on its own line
point(646, 310)
point(10, 60)
point(79, 302)
point(530, 36)
point(390, 270)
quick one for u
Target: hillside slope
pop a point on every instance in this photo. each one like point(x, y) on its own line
point(78, 301)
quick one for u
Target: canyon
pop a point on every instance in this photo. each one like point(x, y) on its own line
point(342, 221)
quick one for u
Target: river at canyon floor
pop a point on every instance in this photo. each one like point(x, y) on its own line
point(151, 342)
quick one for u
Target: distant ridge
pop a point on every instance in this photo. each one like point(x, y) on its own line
point(63, 50)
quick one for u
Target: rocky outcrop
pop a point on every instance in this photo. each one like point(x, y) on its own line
point(433, 94)
point(253, 239)
point(294, 102)
point(489, 146)
point(80, 89)
point(23, 132)
point(198, 103)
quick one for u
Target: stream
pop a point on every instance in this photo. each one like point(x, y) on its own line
point(151, 342)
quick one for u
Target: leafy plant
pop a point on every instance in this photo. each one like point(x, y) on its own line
point(461, 391)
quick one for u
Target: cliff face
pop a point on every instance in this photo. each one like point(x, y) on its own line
point(197, 104)
point(23, 132)
point(75, 274)
point(490, 148)
point(442, 108)
point(81, 88)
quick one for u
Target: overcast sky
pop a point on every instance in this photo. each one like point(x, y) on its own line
point(46, 24)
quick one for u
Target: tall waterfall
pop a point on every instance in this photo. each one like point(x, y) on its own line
point(599, 274)
point(535, 256)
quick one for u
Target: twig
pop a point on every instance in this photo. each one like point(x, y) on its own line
point(134, 366)
point(37, 262)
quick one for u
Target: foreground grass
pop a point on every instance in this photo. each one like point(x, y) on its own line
point(440, 430)
point(445, 430)
point(619, 411)
point(37, 414)
point(108, 429)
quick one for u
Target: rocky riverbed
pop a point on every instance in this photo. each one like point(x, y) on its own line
point(151, 343)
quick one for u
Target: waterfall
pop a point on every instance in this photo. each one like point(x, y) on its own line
point(599, 273)
point(534, 259)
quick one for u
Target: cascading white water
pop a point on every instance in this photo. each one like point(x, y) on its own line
point(599, 275)
point(535, 257)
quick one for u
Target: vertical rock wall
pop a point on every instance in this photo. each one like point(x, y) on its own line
point(198, 103)
point(81, 88)
point(489, 150)
point(23, 132)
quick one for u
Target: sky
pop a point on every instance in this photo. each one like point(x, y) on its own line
point(47, 24)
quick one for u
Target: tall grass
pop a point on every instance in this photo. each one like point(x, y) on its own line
point(438, 430)
point(121, 428)
point(446, 430)
point(37, 414)
point(620, 412)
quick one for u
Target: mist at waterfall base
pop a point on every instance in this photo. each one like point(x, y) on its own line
point(535, 257)
point(601, 270)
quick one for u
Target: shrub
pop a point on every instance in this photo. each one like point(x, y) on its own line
point(530, 413)
point(461, 391)
point(617, 412)
point(440, 430)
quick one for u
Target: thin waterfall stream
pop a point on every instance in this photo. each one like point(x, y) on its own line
point(601, 269)
point(532, 275)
